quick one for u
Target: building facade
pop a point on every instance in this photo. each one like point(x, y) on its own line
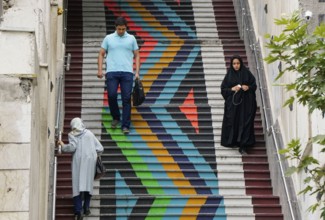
point(32, 53)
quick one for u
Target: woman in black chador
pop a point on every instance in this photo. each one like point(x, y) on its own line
point(238, 89)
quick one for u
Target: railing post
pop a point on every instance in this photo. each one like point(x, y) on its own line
point(55, 165)
point(68, 60)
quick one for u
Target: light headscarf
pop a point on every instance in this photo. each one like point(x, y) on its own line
point(77, 126)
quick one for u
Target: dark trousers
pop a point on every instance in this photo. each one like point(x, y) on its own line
point(77, 202)
point(125, 81)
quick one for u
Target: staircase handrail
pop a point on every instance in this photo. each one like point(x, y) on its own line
point(248, 31)
point(57, 137)
point(59, 110)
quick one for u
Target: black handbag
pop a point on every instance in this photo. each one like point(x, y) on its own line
point(138, 95)
point(100, 169)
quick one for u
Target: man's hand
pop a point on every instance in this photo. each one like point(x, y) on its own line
point(100, 75)
point(101, 56)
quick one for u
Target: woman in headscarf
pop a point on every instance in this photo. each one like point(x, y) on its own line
point(238, 90)
point(85, 148)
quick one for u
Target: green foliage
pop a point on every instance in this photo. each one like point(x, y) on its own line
point(303, 54)
point(314, 182)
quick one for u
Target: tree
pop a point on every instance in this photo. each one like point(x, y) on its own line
point(303, 54)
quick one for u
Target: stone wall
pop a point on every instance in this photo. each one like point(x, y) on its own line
point(31, 59)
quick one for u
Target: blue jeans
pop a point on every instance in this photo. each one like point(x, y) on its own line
point(77, 202)
point(125, 80)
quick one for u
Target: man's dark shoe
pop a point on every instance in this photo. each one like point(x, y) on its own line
point(87, 212)
point(79, 217)
point(114, 123)
point(125, 131)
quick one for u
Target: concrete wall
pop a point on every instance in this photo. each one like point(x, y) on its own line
point(295, 122)
point(31, 58)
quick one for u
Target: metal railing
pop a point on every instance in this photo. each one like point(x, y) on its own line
point(59, 107)
point(65, 21)
point(54, 187)
point(57, 137)
point(248, 35)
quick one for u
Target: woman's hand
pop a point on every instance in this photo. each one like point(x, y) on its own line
point(236, 88)
point(245, 87)
point(60, 143)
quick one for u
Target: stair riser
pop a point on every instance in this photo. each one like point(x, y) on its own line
point(125, 210)
point(159, 217)
point(173, 190)
point(221, 182)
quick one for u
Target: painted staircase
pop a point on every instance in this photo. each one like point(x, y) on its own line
point(171, 165)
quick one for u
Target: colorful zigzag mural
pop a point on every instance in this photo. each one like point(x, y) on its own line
point(169, 58)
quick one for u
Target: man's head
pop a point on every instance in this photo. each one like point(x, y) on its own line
point(121, 26)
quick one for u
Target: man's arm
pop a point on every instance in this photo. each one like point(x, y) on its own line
point(101, 56)
point(137, 63)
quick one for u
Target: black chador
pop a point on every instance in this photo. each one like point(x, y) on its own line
point(239, 108)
